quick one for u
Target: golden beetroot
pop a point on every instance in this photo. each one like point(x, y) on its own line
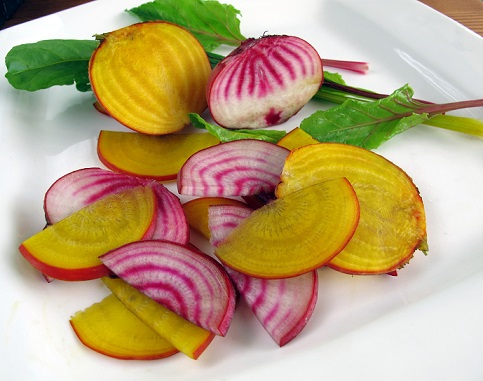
point(70, 249)
point(294, 234)
point(155, 157)
point(182, 334)
point(392, 221)
point(110, 328)
point(150, 75)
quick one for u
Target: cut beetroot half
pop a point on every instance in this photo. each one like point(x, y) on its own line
point(182, 278)
point(282, 306)
point(264, 82)
point(236, 168)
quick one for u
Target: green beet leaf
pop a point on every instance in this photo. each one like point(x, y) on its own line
point(47, 63)
point(211, 22)
point(366, 124)
point(227, 135)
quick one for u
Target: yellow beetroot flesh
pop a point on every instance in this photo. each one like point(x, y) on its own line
point(109, 328)
point(294, 234)
point(392, 222)
point(296, 138)
point(69, 249)
point(150, 75)
point(155, 157)
point(182, 334)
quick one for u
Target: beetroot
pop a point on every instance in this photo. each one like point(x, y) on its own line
point(282, 306)
point(264, 82)
point(236, 168)
point(182, 278)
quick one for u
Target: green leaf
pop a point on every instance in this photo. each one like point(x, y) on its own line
point(227, 135)
point(49, 63)
point(211, 22)
point(366, 124)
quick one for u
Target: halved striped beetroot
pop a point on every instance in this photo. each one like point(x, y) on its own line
point(149, 76)
point(236, 168)
point(83, 187)
point(181, 333)
point(182, 278)
point(111, 329)
point(155, 157)
point(283, 306)
point(264, 82)
point(294, 234)
point(70, 249)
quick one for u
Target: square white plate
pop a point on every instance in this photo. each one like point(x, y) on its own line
point(426, 323)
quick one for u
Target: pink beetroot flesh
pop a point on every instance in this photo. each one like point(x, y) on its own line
point(282, 306)
point(183, 279)
point(264, 82)
point(237, 168)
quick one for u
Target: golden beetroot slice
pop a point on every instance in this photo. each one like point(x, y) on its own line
point(181, 333)
point(150, 75)
point(155, 157)
point(294, 234)
point(296, 138)
point(392, 223)
point(69, 249)
point(109, 328)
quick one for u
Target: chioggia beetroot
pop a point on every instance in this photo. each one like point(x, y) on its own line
point(264, 82)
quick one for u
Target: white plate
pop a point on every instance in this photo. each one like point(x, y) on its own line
point(424, 324)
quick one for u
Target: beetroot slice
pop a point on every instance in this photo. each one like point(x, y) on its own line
point(223, 218)
point(236, 168)
point(171, 223)
point(80, 188)
point(282, 306)
point(182, 278)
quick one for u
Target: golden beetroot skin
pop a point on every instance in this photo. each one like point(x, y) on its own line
point(149, 76)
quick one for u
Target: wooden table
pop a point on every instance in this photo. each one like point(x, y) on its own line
point(467, 12)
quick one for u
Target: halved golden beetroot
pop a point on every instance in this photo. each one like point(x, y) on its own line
point(147, 156)
point(150, 75)
point(196, 212)
point(392, 223)
point(182, 334)
point(294, 234)
point(70, 249)
point(109, 328)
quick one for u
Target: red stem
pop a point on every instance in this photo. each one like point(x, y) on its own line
point(357, 66)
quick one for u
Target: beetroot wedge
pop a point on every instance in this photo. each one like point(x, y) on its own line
point(85, 186)
point(80, 188)
point(171, 222)
point(223, 218)
point(236, 168)
point(282, 306)
point(182, 278)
